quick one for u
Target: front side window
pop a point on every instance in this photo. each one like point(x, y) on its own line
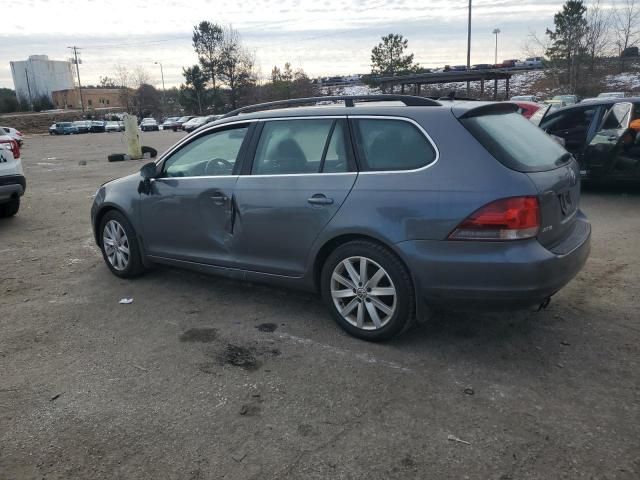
point(301, 146)
point(213, 154)
point(386, 144)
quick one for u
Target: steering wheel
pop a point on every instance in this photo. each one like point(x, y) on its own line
point(218, 162)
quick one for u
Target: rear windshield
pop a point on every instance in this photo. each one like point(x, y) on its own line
point(516, 142)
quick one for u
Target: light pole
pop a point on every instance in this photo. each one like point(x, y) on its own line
point(163, 91)
point(496, 31)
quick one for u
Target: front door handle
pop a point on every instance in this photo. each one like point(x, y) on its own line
point(320, 199)
point(219, 199)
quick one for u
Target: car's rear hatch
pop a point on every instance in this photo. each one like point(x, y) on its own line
point(519, 145)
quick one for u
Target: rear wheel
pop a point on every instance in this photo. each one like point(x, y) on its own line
point(10, 208)
point(368, 290)
point(119, 245)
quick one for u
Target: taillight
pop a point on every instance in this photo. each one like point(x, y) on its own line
point(15, 148)
point(18, 133)
point(512, 218)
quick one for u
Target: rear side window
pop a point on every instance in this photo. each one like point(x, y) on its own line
point(515, 142)
point(386, 144)
point(618, 117)
point(578, 118)
point(302, 146)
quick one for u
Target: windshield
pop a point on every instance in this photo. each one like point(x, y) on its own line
point(516, 142)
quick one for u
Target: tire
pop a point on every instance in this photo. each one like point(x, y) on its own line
point(153, 153)
point(122, 267)
point(394, 306)
point(116, 157)
point(10, 208)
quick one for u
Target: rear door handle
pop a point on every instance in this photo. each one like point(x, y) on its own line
point(320, 199)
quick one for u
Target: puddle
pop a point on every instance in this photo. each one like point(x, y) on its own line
point(202, 335)
point(239, 356)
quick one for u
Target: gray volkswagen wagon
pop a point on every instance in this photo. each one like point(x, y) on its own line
point(386, 205)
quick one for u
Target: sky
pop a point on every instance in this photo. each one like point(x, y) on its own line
point(323, 37)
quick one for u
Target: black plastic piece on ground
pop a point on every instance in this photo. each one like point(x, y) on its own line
point(116, 157)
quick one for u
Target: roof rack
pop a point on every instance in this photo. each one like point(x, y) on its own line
point(349, 101)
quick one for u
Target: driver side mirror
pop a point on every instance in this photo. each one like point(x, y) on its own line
point(149, 171)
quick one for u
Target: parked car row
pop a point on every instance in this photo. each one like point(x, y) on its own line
point(188, 123)
point(80, 126)
point(529, 63)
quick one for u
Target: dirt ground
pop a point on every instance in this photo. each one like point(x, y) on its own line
point(205, 378)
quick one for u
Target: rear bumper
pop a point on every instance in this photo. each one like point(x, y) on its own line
point(494, 275)
point(11, 186)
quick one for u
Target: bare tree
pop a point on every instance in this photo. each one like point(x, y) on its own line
point(597, 38)
point(121, 76)
point(536, 46)
point(140, 77)
point(627, 26)
point(236, 65)
point(129, 81)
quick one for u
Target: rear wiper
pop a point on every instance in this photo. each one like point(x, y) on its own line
point(563, 159)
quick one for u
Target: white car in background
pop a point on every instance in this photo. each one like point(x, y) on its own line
point(611, 95)
point(114, 127)
point(12, 181)
point(13, 133)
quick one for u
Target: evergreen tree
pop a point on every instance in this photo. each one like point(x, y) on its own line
point(567, 40)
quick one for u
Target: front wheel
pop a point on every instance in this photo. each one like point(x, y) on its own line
point(119, 245)
point(368, 290)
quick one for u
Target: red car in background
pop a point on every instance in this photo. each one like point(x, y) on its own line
point(526, 109)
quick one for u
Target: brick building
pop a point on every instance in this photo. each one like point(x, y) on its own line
point(93, 98)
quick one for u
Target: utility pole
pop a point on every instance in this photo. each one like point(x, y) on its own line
point(164, 104)
point(496, 31)
point(75, 55)
point(469, 48)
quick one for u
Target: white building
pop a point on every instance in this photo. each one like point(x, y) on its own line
point(38, 76)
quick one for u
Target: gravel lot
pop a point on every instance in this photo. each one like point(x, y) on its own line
point(205, 378)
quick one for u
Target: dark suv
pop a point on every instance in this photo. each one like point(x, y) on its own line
point(383, 207)
point(600, 134)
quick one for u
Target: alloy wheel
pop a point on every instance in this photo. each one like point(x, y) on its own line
point(116, 245)
point(363, 293)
